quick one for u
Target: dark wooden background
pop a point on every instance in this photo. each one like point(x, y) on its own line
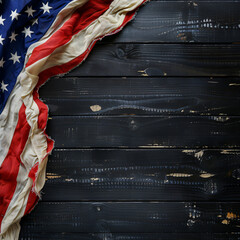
point(147, 132)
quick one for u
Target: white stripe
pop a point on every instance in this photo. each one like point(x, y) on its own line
point(106, 23)
point(62, 17)
point(32, 154)
point(35, 149)
point(8, 120)
point(18, 203)
point(9, 116)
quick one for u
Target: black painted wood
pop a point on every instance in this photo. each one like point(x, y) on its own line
point(143, 174)
point(145, 132)
point(161, 60)
point(142, 96)
point(128, 236)
point(183, 21)
point(172, 173)
point(108, 217)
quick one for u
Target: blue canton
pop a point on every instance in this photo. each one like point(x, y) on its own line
point(22, 23)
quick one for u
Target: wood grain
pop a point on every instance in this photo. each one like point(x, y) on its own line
point(128, 236)
point(142, 96)
point(145, 132)
point(183, 21)
point(143, 174)
point(152, 217)
point(161, 60)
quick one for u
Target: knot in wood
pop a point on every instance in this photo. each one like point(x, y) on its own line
point(120, 53)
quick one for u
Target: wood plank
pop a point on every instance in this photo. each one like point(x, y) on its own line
point(134, 217)
point(140, 174)
point(128, 236)
point(183, 21)
point(161, 60)
point(142, 96)
point(145, 132)
point(145, 174)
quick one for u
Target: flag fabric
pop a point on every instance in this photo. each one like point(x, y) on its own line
point(38, 40)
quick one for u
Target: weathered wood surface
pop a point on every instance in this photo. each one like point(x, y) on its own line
point(145, 131)
point(128, 236)
point(151, 217)
point(142, 96)
point(172, 173)
point(183, 21)
point(146, 174)
point(161, 60)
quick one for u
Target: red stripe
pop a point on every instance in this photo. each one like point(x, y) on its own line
point(80, 19)
point(32, 201)
point(32, 197)
point(45, 75)
point(42, 123)
point(64, 68)
point(42, 119)
point(10, 167)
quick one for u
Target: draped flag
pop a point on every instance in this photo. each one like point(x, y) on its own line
point(40, 39)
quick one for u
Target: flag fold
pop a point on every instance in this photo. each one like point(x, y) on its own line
point(38, 40)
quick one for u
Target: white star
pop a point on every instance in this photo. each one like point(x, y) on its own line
point(13, 36)
point(35, 21)
point(27, 32)
point(2, 62)
point(2, 20)
point(4, 86)
point(30, 11)
point(15, 58)
point(14, 15)
point(1, 39)
point(45, 8)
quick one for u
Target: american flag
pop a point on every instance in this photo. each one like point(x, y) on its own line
point(38, 40)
